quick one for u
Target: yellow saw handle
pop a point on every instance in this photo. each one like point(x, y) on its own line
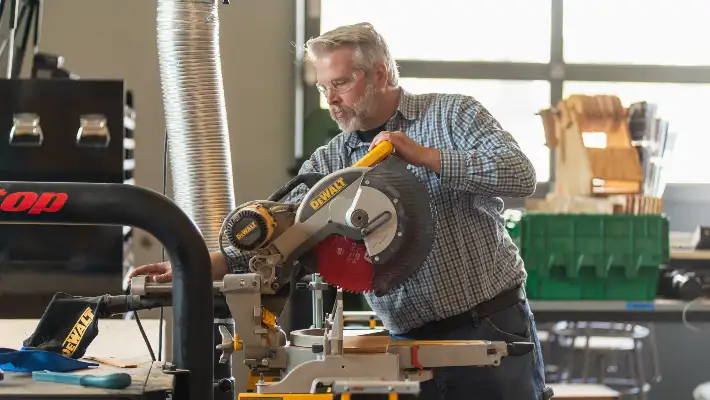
point(379, 153)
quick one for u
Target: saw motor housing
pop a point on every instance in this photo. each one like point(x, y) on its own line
point(382, 207)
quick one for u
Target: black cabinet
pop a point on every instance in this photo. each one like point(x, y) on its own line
point(64, 130)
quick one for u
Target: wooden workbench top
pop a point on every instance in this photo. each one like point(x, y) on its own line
point(117, 339)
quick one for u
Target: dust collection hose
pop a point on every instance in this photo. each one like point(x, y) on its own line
point(195, 112)
point(128, 205)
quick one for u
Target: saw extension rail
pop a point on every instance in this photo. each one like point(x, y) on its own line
point(128, 205)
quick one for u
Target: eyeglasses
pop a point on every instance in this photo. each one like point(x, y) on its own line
point(339, 86)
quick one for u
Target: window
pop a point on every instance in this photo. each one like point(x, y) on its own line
point(659, 32)
point(513, 103)
point(483, 30)
point(683, 105)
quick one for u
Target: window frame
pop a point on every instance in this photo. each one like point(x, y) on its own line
point(556, 72)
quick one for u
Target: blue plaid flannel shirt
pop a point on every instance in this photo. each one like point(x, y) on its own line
point(473, 258)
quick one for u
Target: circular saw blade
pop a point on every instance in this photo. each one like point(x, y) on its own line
point(343, 262)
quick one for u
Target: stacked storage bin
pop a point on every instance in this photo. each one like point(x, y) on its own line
point(592, 257)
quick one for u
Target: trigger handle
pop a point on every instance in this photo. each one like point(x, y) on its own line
point(374, 156)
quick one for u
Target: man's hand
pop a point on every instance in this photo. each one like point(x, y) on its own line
point(162, 272)
point(409, 150)
point(159, 272)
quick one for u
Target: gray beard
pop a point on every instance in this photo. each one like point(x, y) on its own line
point(357, 117)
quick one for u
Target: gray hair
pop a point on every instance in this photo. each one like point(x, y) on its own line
point(370, 47)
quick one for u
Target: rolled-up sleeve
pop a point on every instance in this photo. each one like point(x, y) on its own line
point(324, 160)
point(485, 159)
point(238, 262)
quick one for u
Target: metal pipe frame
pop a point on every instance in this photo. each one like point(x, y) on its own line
point(63, 203)
point(556, 72)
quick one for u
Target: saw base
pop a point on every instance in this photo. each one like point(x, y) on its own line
point(267, 364)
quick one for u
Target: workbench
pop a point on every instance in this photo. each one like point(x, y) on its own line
point(661, 310)
point(119, 340)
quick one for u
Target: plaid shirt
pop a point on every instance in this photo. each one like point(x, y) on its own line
point(473, 258)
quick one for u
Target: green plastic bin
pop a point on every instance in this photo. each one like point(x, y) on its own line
point(592, 257)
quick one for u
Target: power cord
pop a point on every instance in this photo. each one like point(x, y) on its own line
point(165, 172)
point(145, 337)
point(140, 328)
point(135, 313)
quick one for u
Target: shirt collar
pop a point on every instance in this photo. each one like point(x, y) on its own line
point(407, 105)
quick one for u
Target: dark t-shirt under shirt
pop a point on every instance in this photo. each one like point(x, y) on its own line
point(367, 136)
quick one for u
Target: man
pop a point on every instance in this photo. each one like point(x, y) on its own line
point(470, 286)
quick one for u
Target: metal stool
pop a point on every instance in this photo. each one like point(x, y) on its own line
point(608, 343)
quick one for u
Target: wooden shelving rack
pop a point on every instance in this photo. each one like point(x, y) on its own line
point(602, 176)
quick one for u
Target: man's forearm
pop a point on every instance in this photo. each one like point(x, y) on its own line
point(220, 267)
point(485, 159)
point(503, 172)
point(499, 175)
point(433, 160)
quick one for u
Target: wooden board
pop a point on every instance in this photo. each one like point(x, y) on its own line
point(118, 340)
point(690, 254)
point(365, 344)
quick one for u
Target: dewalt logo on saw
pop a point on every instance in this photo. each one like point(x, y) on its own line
point(247, 230)
point(326, 195)
point(77, 332)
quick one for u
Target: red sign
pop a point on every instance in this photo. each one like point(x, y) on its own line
point(32, 203)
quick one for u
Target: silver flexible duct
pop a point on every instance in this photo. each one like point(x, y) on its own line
point(195, 112)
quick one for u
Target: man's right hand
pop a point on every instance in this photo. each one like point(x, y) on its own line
point(161, 272)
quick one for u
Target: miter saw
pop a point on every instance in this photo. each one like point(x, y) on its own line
point(364, 228)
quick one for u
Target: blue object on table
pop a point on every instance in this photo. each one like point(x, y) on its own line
point(109, 381)
point(37, 360)
point(640, 305)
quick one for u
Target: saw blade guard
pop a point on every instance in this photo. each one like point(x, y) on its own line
point(414, 235)
point(364, 228)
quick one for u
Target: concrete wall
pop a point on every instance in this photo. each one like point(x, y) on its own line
point(117, 39)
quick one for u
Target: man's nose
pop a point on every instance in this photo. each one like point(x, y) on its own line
point(332, 97)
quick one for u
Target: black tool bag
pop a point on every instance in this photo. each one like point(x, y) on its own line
point(68, 325)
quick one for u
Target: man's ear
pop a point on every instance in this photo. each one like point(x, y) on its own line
point(381, 75)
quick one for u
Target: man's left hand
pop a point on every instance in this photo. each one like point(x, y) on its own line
point(409, 150)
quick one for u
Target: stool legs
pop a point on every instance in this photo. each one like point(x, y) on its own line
point(641, 371)
point(636, 370)
point(585, 365)
point(654, 354)
point(610, 346)
point(602, 367)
